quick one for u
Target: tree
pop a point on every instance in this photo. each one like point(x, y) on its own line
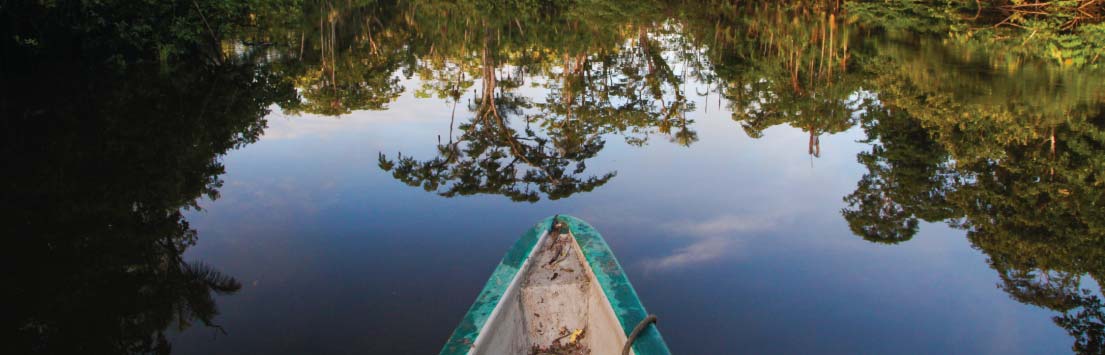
point(99, 164)
point(907, 179)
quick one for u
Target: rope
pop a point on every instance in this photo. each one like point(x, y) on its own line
point(636, 332)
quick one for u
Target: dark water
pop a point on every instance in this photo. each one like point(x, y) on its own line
point(344, 181)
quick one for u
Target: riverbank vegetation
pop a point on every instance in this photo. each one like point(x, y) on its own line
point(1066, 32)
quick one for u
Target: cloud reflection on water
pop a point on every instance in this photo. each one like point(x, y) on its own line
point(721, 236)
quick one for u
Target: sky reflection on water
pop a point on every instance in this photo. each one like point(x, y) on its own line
point(733, 242)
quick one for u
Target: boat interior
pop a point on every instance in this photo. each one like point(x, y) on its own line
point(554, 305)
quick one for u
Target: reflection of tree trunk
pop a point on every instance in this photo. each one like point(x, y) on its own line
point(815, 143)
point(843, 50)
point(823, 45)
point(1051, 170)
point(811, 77)
point(489, 113)
point(573, 67)
point(794, 73)
point(452, 146)
point(302, 40)
point(327, 15)
point(568, 96)
point(487, 107)
point(333, 59)
point(832, 36)
point(1052, 133)
point(216, 44)
point(489, 79)
point(368, 24)
point(642, 38)
point(844, 55)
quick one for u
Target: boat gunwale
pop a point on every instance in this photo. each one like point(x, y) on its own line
point(515, 285)
point(622, 298)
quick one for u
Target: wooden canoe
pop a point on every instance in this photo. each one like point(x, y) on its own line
point(558, 290)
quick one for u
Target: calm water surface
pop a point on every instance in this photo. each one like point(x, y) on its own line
point(774, 182)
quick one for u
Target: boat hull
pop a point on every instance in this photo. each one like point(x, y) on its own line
point(494, 324)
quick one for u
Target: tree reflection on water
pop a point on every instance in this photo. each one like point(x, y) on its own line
point(103, 152)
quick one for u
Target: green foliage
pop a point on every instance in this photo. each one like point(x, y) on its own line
point(1010, 153)
point(905, 16)
point(123, 31)
point(491, 157)
point(1068, 32)
point(906, 180)
point(781, 64)
point(1086, 325)
point(603, 77)
point(99, 165)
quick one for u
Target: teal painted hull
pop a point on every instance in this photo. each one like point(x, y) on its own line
point(607, 271)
